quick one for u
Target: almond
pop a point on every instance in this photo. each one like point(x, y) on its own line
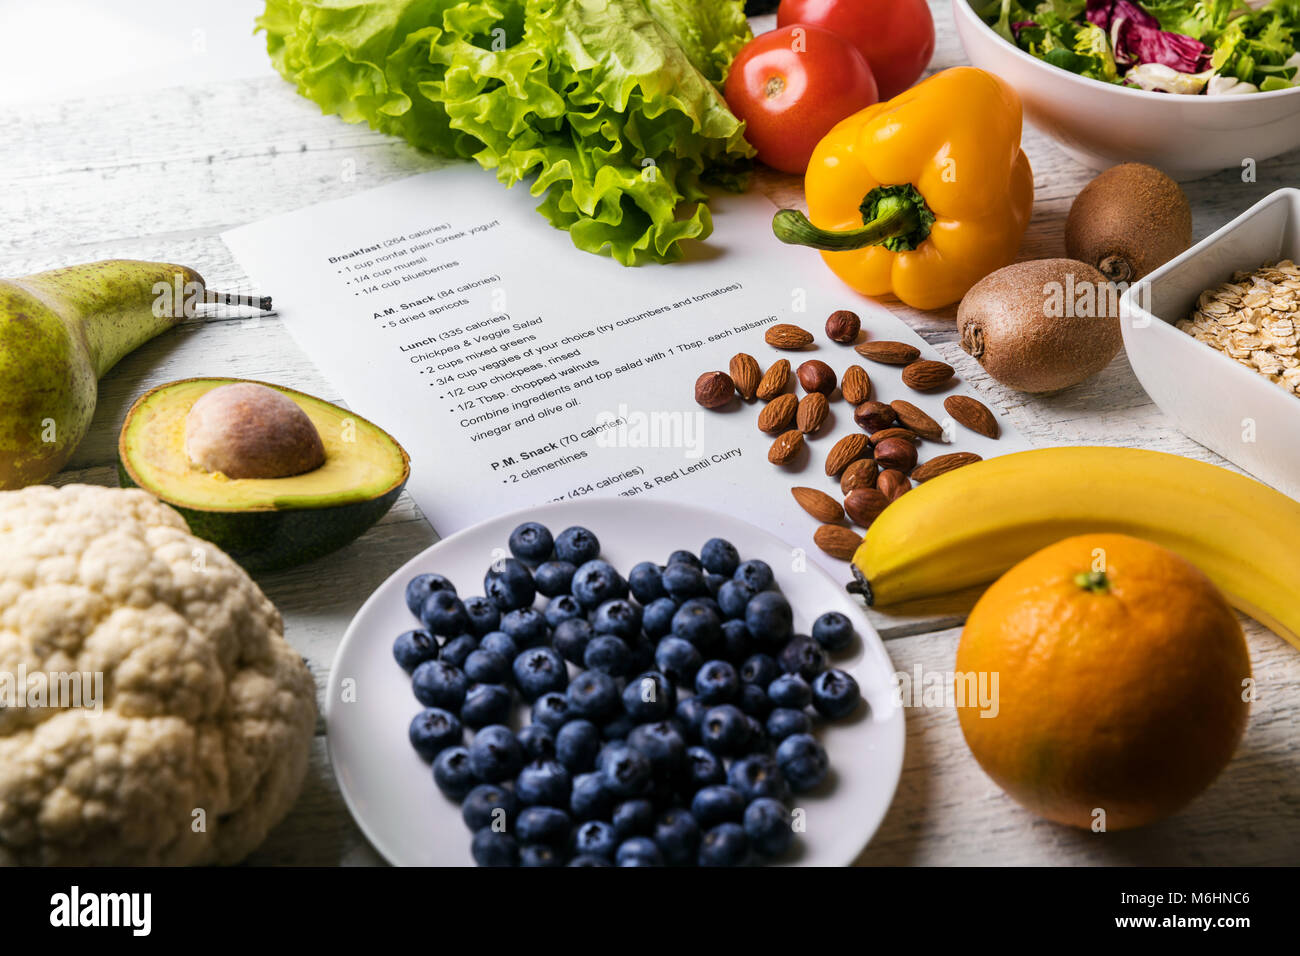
point(785, 447)
point(774, 380)
point(892, 483)
point(812, 412)
point(943, 464)
point(859, 474)
point(837, 541)
point(927, 375)
point(746, 374)
point(714, 389)
point(777, 414)
point(885, 434)
point(890, 353)
point(845, 450)
point(818, 504)
point(785, 336)
point(974, 414)
point(864, 505)
point(917, 420)
point(855, 386)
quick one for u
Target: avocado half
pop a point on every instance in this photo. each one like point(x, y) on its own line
point(264, 523)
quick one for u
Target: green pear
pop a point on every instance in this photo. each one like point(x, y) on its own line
point(60, 331)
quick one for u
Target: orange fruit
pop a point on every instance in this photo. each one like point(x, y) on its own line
point(1120, 671)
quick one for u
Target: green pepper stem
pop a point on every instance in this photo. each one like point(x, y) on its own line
point(792, 227)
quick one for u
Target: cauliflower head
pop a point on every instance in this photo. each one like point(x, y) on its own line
point(196, 744)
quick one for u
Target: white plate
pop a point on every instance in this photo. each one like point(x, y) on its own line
point(369, 704)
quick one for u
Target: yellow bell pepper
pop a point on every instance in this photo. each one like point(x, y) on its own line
point(921, 196)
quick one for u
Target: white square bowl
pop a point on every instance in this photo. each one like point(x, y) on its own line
point(1213, 399)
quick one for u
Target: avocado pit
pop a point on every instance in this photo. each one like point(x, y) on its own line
point(246, 430)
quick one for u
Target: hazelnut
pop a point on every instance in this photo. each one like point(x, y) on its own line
point(843, 327)
point(816, 376)
point(873, 416)
point(896, 453)
point(891, 483)
point(863, 506)
point(714, 389)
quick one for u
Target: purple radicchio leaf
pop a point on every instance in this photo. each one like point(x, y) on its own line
point(1137, 38)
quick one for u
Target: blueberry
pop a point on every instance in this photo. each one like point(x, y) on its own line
point(833, 631)
point(757, 574)
point(576, 745)
point(736, 644)
point(434, 730)
point(421, 586)
point(487, 667)
point(760, 669)
point(803, 656)
point(538, 671)
point(590, 798)
point(651, 696)
point(499, 642)
point(444, 614)
point(701, 768)
point(413, 648)
point(661, 744)
point(453, 774)
point(633, 818)
point(757, 776)
point(495, 754)
point(561, 608)
point(724, 845)
point(757, 741)
point(538, 742)
point(717, 804)
point(596, 582)
point(593, 694)
point(646, 582)
point(618, 617)
point(553, 578)
point(491, 848)
point(657, 617)
point(439, 684)
point(754, 701)
point(690, 715)
point(733, 597)
point(719, 556)
point(835, 694)
point(677, 659)
point(618, 728)
point(803, 761)
point(769, 619)
point(683, 581)
point(531, 542)
point(785, 721)
point(725, 729)
point(685, 557)
point(525, 626)
point(678, 837)
point(717, 683)
point(609, 654)
point(539, 854)
point(488, 805)
point(638, 851)
point(576, 545)
point(543, 783)
point(551, 711)
point(790, 690)
point(641, 655)
point(457, 651)
point(714, 583)
point(484, 616)
point(586, 859)
point(595, 838)
point(486, 704)
point(627, 772)
point(767, 824)
point(548, 826)
point(509, 584)
point(697, 622)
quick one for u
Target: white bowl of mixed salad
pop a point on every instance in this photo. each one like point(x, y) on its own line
point(1190, 86)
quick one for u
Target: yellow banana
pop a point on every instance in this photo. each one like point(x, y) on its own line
point(967, 527)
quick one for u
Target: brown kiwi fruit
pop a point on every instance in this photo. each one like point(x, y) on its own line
point(1042, 325)
point(1129, 220)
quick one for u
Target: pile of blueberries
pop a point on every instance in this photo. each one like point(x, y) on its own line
point(680, 738)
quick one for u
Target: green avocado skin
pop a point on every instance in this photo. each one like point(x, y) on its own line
point(275, 540)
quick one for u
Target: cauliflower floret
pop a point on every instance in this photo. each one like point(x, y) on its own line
point(197, 744)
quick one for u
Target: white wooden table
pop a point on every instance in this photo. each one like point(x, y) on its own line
point(158, 174)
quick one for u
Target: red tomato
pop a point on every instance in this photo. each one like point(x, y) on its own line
point(896, 36)
point(790, 86)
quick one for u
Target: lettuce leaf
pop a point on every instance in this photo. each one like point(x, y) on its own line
point(610, 107)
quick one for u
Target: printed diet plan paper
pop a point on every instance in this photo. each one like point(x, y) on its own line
point(516, 369)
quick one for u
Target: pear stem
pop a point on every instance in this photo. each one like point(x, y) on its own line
point(262, 302)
